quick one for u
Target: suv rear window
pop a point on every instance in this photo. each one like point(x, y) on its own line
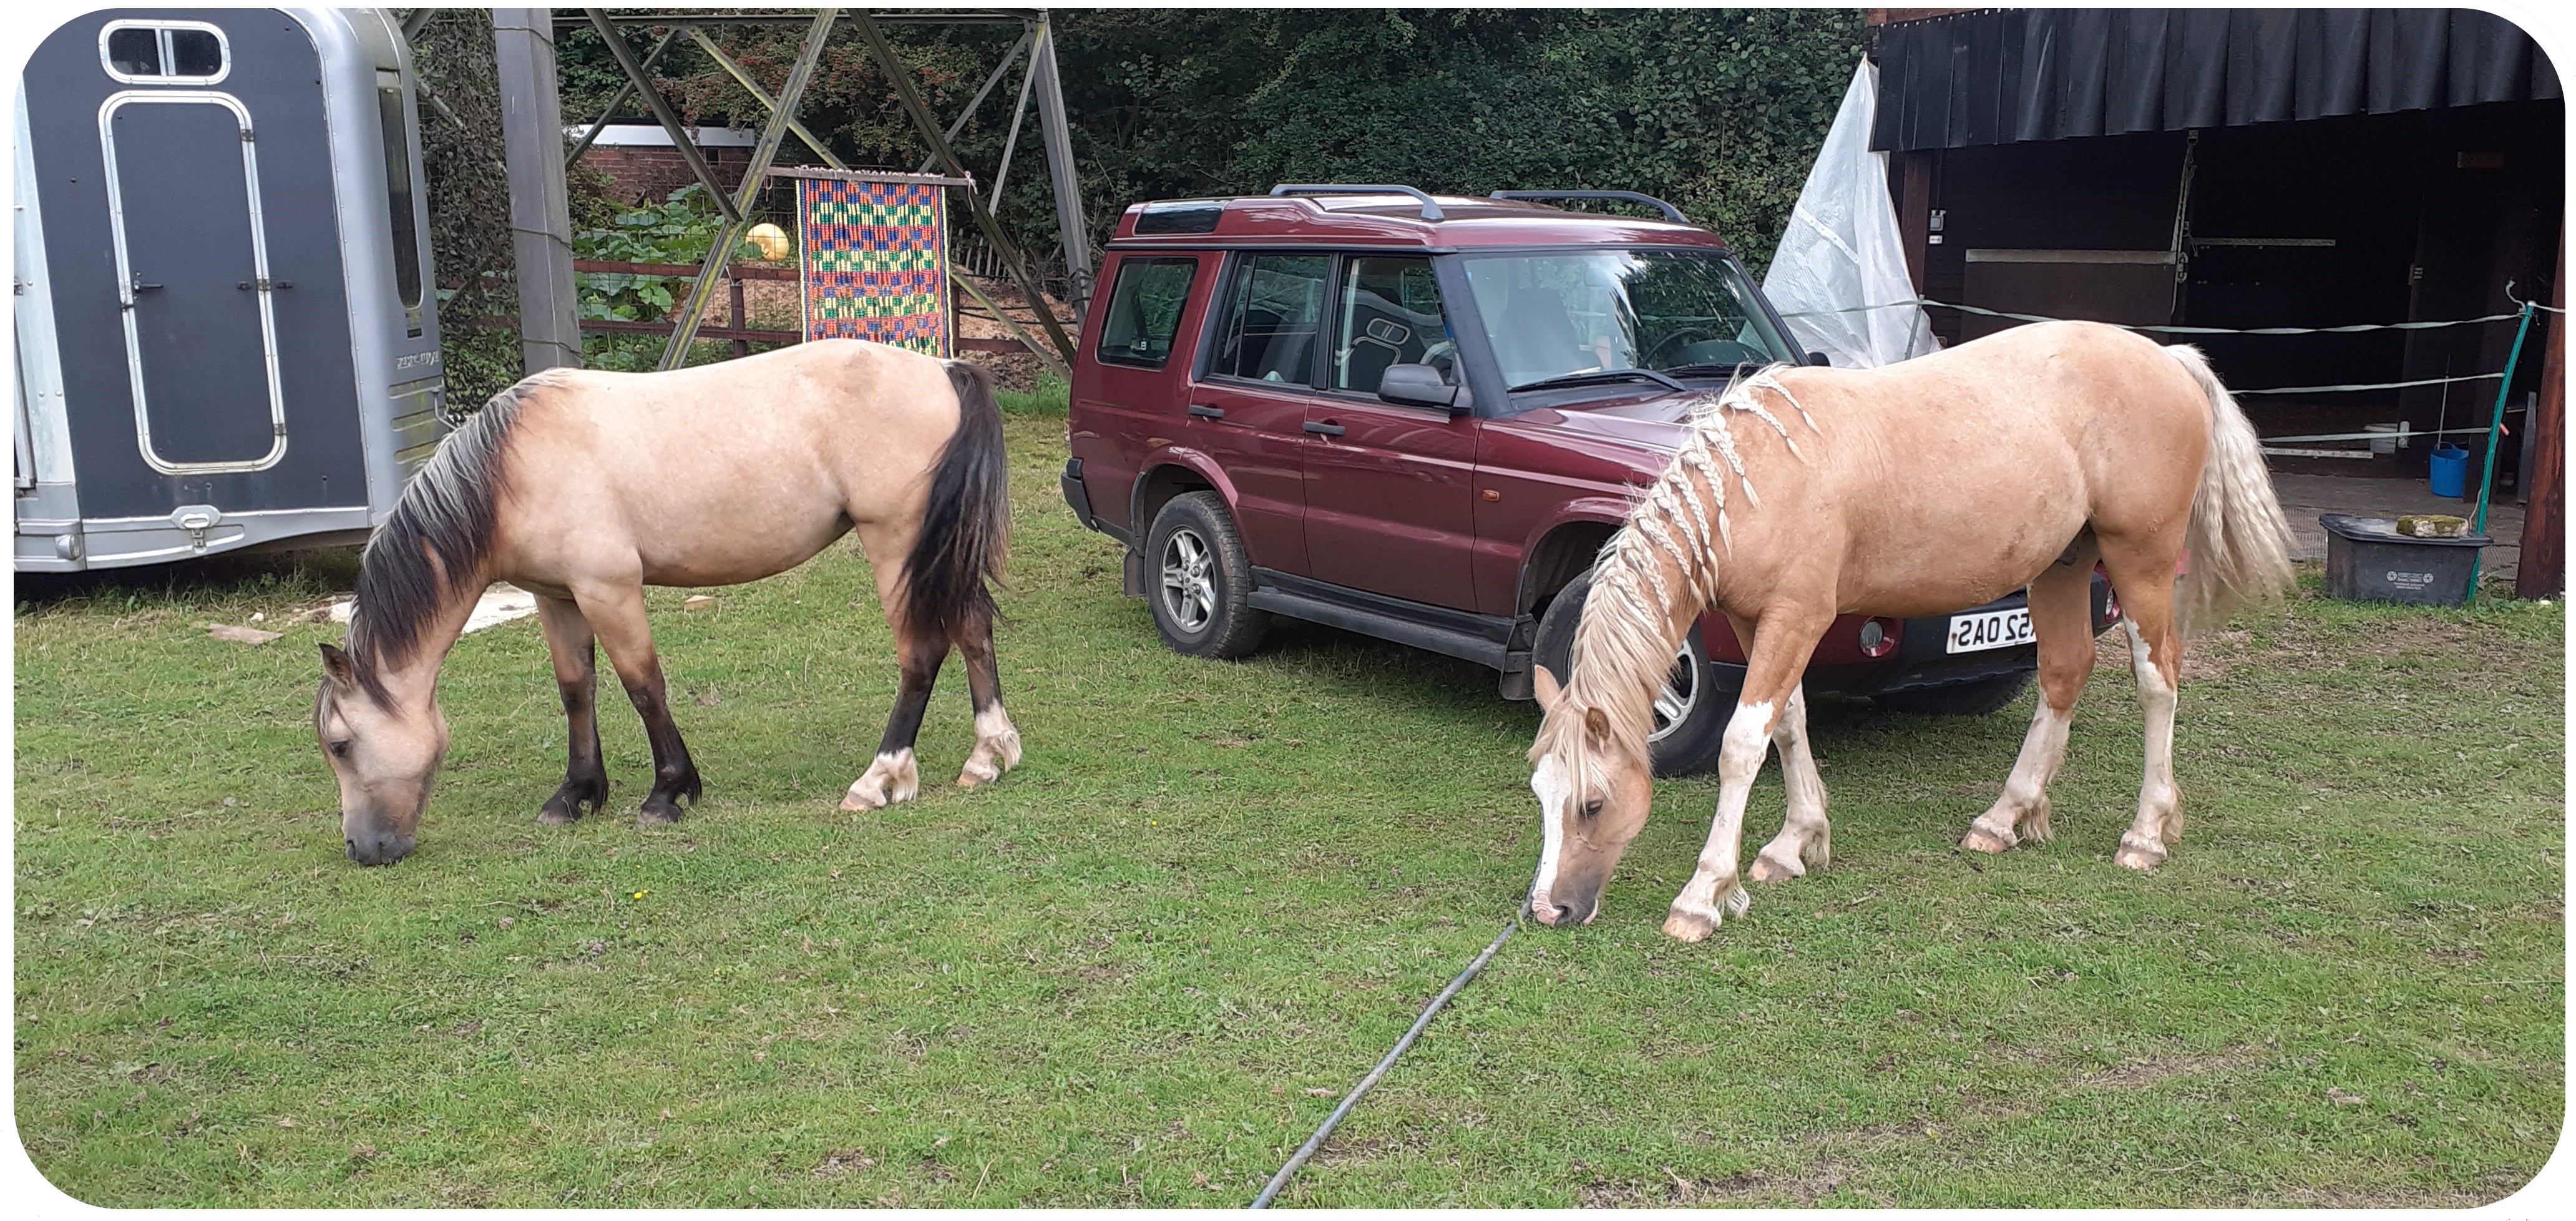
point(1145, 311)
point(1271, 322)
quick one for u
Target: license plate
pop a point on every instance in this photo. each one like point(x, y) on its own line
point(1990, 630)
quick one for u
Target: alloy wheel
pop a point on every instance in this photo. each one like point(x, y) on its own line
point(1189, 590)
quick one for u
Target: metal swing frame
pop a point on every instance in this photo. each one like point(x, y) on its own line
point(541, 220)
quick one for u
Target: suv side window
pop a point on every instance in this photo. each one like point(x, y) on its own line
point(1145, 311)
point(1273, 318)
point(1389, 314)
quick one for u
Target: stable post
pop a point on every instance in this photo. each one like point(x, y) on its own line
point(2495, 428)
point(523, 46)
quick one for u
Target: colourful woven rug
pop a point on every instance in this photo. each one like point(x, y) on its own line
point(876, 262)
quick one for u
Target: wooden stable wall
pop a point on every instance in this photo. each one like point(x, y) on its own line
point(2328, 222)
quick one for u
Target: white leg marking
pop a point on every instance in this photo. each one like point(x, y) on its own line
point(1805, 838)
point(1549, 783)
point(2025, 794)
point(2143, 846)
point(1715, 890)
point(890, 779)
point(997, 749)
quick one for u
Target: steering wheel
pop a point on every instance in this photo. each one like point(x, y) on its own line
point(1685, 335)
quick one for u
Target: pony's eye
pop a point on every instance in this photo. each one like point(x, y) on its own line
point(1592, 808)
point(340, 749)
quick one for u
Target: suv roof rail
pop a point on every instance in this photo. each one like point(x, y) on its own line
point(1670, 212)
point(1430, 208)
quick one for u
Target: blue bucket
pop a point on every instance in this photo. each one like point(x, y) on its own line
point(2450, 471)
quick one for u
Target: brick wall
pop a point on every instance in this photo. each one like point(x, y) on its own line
point(641, 174)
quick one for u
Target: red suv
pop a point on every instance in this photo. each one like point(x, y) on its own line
point(1420, 418)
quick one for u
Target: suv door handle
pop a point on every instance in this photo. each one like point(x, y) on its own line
point(1320, 428)
point(1207, 413)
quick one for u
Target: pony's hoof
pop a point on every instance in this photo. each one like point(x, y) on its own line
point(1690, 925)
point(1767, 869)
point(571, 801)
point(657, 815)
point(1980, 839)
point(890, 779)
point(978, 772)
point(2138, 856)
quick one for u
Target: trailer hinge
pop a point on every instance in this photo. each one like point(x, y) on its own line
point(278, 429)
point(246, 136)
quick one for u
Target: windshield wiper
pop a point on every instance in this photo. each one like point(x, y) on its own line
point(1589, 376)
point(1717, 368)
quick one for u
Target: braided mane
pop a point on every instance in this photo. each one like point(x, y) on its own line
point(1654, 576)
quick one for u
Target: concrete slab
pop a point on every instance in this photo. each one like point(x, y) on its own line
point(2303, 497)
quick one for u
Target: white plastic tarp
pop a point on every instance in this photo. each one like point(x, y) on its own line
point(1842, 250)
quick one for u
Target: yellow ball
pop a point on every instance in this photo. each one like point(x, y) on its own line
point(771, 240)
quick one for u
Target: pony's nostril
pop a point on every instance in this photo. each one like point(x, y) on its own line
point(1563, 913)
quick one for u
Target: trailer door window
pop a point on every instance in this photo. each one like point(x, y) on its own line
point(398, 198)
point(164, 52)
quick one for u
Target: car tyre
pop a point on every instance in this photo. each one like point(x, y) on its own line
point(1693, 707)
point(1198, 580)
point(1978, 698)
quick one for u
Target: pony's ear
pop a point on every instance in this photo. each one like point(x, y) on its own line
point(336, 663)
point(1596, 727)
point(1544, 683)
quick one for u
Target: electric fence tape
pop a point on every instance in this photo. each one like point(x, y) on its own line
point(2340, 388)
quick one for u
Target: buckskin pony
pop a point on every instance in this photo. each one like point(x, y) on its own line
point(583, 487)
point(1946, 481)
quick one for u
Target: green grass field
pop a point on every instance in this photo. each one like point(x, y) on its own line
point(1143, 967)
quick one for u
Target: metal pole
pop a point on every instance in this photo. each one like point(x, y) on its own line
point(738, 209)
point(742, 76)
point(929, 129)
point(978, 102)
point(1068, 191)
point(523, 46)
point(624, 90)
point(662, 112)
point(1012, 144)
point(2486, 482)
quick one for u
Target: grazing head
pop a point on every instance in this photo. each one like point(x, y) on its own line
point(1595, 782)
point(377, 715)
point(383, 755)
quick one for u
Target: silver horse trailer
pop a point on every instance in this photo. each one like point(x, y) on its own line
point(227, 334)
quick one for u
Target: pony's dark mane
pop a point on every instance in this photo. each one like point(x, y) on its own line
point(435, 542)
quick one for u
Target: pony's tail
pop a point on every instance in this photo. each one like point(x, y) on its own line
point(966, 523)
point(2239, 541)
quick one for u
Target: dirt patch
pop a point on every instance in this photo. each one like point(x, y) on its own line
point(842, 1161)
point(2140, 1073)
point(1746, 1187)
point(2208, 657)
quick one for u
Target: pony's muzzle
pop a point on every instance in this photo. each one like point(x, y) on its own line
point(377, 849)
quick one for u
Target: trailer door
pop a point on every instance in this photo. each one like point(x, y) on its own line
point(193, 280)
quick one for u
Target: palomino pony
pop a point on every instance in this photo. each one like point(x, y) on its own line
point(583, 487)
point(1946, 481)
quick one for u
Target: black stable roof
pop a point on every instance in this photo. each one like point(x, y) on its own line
point(2006, 75)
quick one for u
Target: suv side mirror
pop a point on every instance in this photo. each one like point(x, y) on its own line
point(1420, 386)
point(1819, 360)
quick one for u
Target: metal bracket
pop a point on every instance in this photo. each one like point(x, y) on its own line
point(196, 520)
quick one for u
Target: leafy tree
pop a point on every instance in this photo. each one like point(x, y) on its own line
point(1718, 110)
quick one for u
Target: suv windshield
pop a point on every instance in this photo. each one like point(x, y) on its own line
point(1559, 313)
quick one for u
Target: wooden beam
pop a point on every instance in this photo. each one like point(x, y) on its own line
point(738, 209)
point(929, 128)
point(616, 100)
point(2542, 570)
point(742, 77)
point(662, 112)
